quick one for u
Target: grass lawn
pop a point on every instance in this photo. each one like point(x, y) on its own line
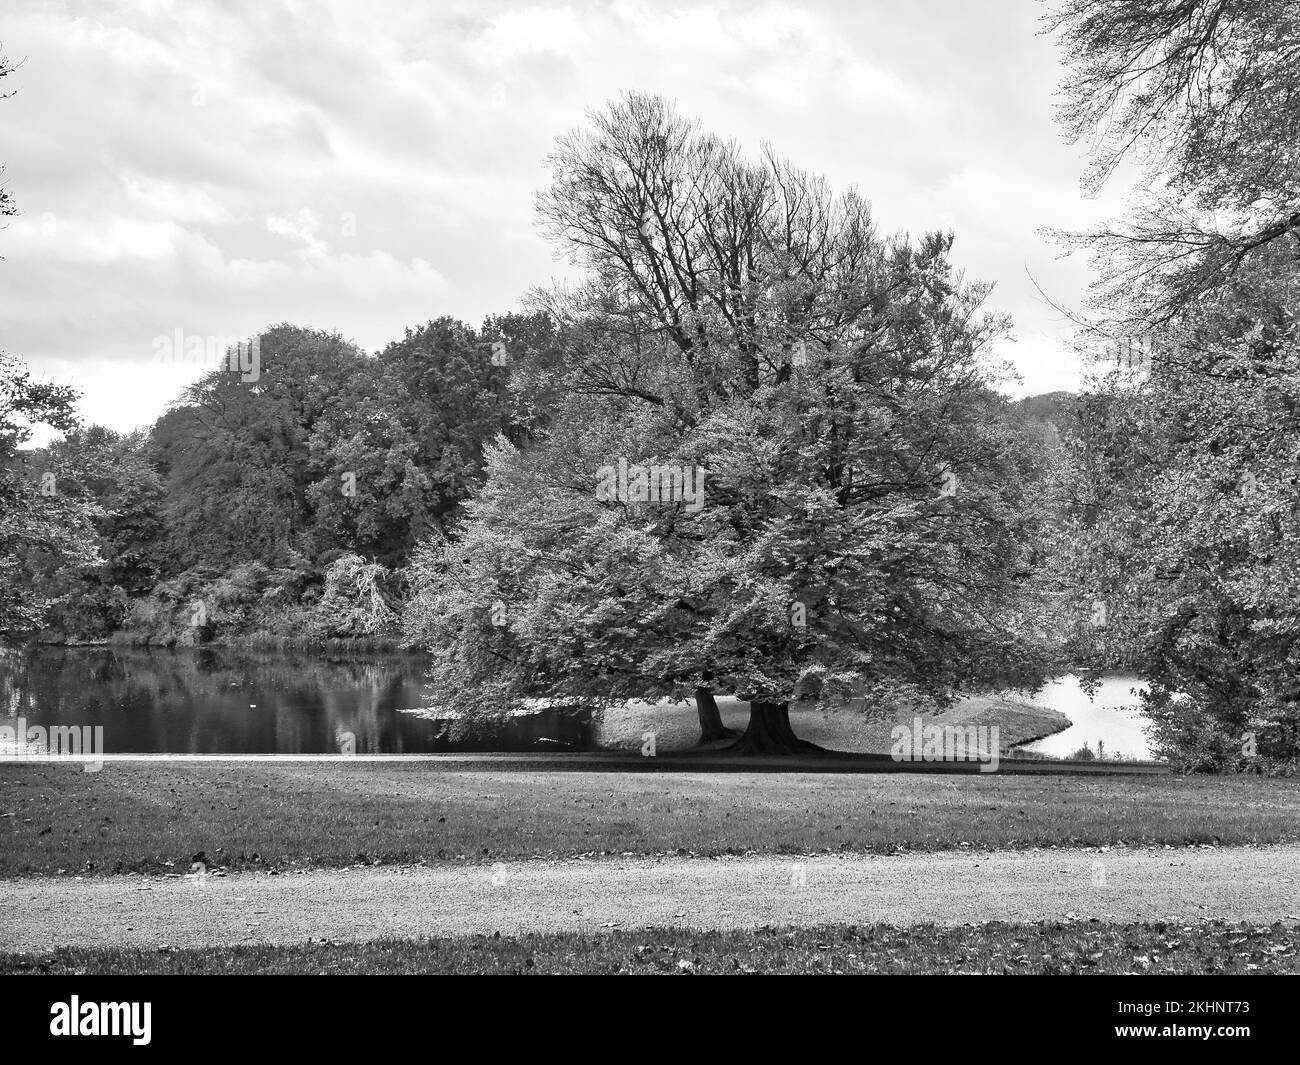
point(152, 818)
point(1057, 948)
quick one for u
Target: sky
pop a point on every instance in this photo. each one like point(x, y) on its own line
point(364, 167)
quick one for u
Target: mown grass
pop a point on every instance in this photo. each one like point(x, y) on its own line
point(846, 728)
point(993, 948)
point(153, 818)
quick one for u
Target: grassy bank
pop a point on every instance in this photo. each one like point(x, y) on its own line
point(994, 948)
point(152, 818)
point(844, 728)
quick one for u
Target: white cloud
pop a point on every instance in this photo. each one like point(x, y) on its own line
point(181, 203)
point(530, 30)
point(92, 242)
point(368, 168)
point(302, 228)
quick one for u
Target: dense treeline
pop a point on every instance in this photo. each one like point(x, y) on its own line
point(284, 507)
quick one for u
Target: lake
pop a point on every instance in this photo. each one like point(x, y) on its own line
point(227, 701)
point(218, 700)
point(1111, 717)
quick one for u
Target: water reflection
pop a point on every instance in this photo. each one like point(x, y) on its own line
point(229, 701)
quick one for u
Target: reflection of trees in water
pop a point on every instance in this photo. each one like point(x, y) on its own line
point(10, 690)
point(201, 701)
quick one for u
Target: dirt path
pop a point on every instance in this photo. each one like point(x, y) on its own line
point(1258, 884)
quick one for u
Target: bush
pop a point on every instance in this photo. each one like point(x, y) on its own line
point(356, 601)
point(1194, 739)
point(204, 604)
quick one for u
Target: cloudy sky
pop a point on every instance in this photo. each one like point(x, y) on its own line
point(356, 166)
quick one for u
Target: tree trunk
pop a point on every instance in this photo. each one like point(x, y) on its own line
point(769, 732)
point(711, 726)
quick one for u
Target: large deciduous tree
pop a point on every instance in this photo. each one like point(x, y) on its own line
point(858, 527)
point(235, 451)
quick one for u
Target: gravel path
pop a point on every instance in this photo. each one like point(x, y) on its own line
point(1257, 884)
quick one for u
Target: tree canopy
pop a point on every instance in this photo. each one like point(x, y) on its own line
point(857, 532)
point(1203, 96)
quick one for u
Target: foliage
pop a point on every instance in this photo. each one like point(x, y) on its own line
point(1183, 495)
point(112, 473)
point(43, 531)
point(1189, 531)
point(235, 453)
point(329, 449)
point(206, 603)
point(405, 434)
point(833, 385)
point(1202, 97)
point(356, 600)
point(325, 452)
